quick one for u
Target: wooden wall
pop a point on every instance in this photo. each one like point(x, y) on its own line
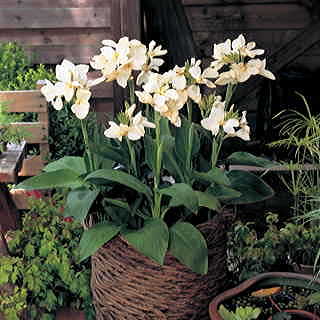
point(52, 30)
point(270, 23)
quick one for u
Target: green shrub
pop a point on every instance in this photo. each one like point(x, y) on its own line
point(17, 73)
point(43, 264)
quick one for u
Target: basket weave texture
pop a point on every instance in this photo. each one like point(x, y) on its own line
point(126, 285)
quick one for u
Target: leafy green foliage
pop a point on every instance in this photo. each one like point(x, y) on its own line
point(43, 267)
point(276, 248)
point(188, 245)
point(241, 313)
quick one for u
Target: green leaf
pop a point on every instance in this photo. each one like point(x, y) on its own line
point(182, 195)
point(122, 178)
point(149, 146)
point(222, 192)
point(151, 240)
point(251, 187)
point(110, 152)
point(188, 245)
point(64, 178)
point(208, 200)
point(248, 159)
point(225, 314)
point(95, 237)
point(75, 164)
point(215, 175)
point(79, 202)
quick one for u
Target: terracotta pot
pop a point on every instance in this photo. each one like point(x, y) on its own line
point(302, 268)
point(262, 280)
point(70, 314)
point(302, 315)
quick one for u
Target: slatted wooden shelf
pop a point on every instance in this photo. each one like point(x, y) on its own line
point(31, 101)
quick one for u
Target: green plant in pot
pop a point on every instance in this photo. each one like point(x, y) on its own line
point(161, 176)
point(42, 266)
point(9, 133)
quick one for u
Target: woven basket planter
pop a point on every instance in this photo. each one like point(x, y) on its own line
point(127, 285)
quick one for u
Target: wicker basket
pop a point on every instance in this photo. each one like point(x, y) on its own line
point(127, 285)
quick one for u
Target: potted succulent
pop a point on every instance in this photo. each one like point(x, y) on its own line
point(271, 287)
point(143, 188)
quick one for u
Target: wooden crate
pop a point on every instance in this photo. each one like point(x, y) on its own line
point(31, 101)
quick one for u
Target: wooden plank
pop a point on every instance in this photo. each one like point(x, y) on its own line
point(269, 40)
point(55, 54)
point(282, 57)
point(49, 37)
point(24, 101)
point(55, 18)
point(32, 166)
point(244, 17)
point(53, 4)
point(102, 90)
point(130, 18)
point(10, 162)
point(37, 131)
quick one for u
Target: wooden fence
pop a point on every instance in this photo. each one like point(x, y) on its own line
point(71, 29)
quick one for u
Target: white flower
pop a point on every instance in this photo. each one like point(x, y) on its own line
point(216, 120)
point(64, 73)
point(245, 50)
point(202, 77)
point(194, 93)
point(134, 131)
point(244, 131)
point(81, 106)
point(221, 50)
point(259, 67)
point(53, 93)
point(178, 78)
point(116, 131)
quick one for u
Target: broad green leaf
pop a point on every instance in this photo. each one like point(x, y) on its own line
point(75, 164)
point(222, 192)
point(79, 202)
point(165, 127)
point(188, 245)
point(181, 195)
point(64, 178)
point(225, 314)
point(186, 139)
point(149, 146)
point(118, 203)
point(214, 175)
point(110, 152)
point(208, 200)
point(151, 240)
point(95, 237)
point(248, 159)
point(122, 178)
point(251, 187)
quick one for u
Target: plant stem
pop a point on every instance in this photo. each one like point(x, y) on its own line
point(216, 146)
point(190, 145)
point(86, 142)
point(189, 107)
point(230, 90)
point(132, 157)
point(157, 166)
point(131, 91)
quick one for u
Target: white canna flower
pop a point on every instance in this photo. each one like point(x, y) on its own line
point(245, 50)
point(221, 50)
point(259, 66)
point(137, 54)
point(194, 93)
point(202, 77)
point(244, 131)
point(137, 125)
point(217, 119)
point(81, 106)
point(53, 93)
point(116, 131)
point(178, 79)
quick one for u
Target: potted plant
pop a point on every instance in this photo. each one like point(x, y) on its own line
point(9, 133)
point(42, 266)
point(144, 187)
point(273, 288)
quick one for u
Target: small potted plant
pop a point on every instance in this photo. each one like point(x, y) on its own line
point(271, 295)
point(9, 133)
